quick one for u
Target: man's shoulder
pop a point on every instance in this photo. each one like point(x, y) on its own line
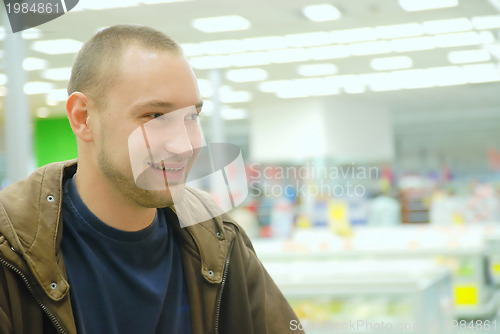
point(49, 175)
point(24, 201)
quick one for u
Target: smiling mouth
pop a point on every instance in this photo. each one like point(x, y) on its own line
point(161, 166)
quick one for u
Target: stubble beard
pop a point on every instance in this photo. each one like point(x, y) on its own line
point(124, 183)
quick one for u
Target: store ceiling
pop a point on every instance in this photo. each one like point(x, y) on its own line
point(280, 18)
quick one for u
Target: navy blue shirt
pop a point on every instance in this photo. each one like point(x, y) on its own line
point(122, 282)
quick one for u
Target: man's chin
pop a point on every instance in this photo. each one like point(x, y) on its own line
point(163, 197)
point(149, 180)
point(155, 193)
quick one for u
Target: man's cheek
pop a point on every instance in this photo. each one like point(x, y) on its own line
point(138, 151)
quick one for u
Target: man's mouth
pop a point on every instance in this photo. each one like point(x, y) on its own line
point(161, 166)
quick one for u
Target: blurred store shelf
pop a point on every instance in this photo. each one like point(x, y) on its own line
point(391, 255)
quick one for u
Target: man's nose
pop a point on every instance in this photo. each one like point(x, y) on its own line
point(178, 140)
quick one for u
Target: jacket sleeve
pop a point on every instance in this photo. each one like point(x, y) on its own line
point(251, 301)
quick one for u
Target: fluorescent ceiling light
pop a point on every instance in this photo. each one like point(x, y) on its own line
point(317, 70)
point(447, 76)
point(354, 35)
point(355, 89)
point(486, 22)
point(57, 95)
point(413, 44)
point(351, 84)
point(247, 75)
point(288, 55)
point(230, 114)
point(418, 5)
point(3, 79)
point(33, 64)
point(468, 56)
point(481, 73)
point(192, 49)
point(370, 48)
point(3, 90)
point(300, 87)
point(399, 31)
point(57, 46)
point(306, 87)
point(295, 93)
point(57, 74)
point(205, 87)
point(37, 87)
point(380, 82)
point(32, 33)
point(457, 39)
point(227, 95)
point(384, 81)
point(486, 37)
point(208, 62)
point(308, 39)
point(324, 90)
point(278, 49)
point(329, 52)
point(273, 86)
point(391, 63)
point(322, 13)
point(447, 26)
point(2, 33)
point(222, 47)
point(221, 23)
point(248, 59)
point(264, 43)
point(292, 93)
point(411, 79)
point(494, 50)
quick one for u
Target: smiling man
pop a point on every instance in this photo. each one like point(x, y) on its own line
point(95, 245)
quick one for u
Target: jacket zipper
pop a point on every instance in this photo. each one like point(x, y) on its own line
point(52, 318)
point(219, 295)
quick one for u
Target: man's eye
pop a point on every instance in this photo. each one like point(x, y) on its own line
point(156, 115)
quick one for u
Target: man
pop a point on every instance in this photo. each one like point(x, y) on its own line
point(95, 245)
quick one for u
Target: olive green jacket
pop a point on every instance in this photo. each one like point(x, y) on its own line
point(229, 289)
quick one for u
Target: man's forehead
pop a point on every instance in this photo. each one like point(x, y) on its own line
point(154, 79)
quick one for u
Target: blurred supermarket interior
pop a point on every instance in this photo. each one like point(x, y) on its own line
point(370, 131)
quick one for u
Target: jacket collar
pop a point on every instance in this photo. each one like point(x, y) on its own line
point(30, 216)
point(207, 233)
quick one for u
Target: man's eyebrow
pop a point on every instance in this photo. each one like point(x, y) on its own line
point(164, 105)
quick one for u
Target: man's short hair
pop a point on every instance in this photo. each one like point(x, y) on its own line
point(97, 65)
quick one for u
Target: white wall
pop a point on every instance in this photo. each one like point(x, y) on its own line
point(359, 133)
point(298, 130)
point(289, 132)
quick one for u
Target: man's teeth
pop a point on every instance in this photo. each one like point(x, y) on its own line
point(160, 167)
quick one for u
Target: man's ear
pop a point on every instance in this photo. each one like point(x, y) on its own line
point(78, 116)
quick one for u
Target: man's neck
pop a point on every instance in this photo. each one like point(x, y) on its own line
point(110, 206)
